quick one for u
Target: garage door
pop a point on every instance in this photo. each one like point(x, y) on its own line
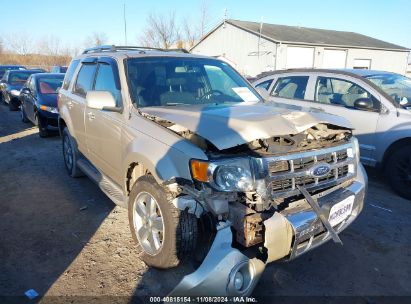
point(334, 59)
point(300, 57)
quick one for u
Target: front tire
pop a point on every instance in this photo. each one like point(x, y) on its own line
point(398, 169)
point(23, 115)
point(167, 235)
point(12, 106)
point(43, 132)
point(70, 154)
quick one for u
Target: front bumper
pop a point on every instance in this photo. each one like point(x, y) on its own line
point(48, 119)
point(288, 234)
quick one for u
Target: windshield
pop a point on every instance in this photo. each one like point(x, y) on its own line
point(18, 78)
point(170, 81)
point(397, 86)
point(49, 85)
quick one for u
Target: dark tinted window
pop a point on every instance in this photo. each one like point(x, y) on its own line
point(85, 79)
point(49, 85)
point(265, 84)
point(18, 78)
point(69, 74)
point(291, 87)
point(106, 81)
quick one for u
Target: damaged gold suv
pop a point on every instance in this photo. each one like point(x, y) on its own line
point(206, 168)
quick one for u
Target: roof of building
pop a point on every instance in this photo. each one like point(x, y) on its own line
point(311, 36)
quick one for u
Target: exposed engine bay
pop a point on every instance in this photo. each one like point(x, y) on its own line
point(247, 211)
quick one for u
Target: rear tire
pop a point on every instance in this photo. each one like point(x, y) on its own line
point(176, 241)
point(70, 155)
point(398, 170)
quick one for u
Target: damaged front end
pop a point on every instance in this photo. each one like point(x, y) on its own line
point(272, 198)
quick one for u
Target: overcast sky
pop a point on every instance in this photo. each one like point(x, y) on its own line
point(74, 20)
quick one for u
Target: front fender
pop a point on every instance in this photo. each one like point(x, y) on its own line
point(162, 160)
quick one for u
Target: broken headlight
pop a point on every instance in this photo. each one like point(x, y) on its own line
point(226, 175)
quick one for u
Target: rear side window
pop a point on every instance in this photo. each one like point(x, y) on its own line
point(69, 74)
point(85, 79)
point(265, 84)
point(291, 87)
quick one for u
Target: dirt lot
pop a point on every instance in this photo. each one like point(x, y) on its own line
point(63, 236)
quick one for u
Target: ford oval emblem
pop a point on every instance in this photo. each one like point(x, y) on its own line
point(320, 170)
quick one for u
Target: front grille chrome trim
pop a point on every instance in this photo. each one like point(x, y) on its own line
point(341, 160)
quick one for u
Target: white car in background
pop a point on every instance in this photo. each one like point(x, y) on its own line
point(377, 103)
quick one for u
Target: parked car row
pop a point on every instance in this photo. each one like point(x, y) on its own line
point(377, 104)
point(34, 93)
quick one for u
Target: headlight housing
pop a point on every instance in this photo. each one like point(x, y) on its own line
point(234, 174)
point(15, 92)
point(50, 109)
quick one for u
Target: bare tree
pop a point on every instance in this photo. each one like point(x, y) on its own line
point(160, 31)
point(204, 18)
point(193, 31)
point(96, 39)
point(21, 43)
point(190, 34)
point(49, 45)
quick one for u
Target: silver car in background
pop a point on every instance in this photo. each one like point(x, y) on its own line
point(377, 103)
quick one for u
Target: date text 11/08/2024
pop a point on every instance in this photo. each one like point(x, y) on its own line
point(203, 300)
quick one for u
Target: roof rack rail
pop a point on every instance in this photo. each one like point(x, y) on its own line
point(114, 48)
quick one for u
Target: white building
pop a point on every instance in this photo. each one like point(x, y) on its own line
point(258, 47)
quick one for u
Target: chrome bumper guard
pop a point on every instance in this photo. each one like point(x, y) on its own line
point(288, 234)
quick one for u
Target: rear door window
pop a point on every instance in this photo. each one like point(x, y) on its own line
point(69, 74)
point(291, 87)
point(85, 79)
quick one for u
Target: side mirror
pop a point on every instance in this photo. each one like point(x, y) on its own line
point(25, 91)
point(102, 100)
point(264, 93)
point(363, 104)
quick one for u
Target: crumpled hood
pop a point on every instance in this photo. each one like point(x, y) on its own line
point(226, 126)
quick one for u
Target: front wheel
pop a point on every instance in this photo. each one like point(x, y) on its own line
point(23, 115)
point(398, 169)
point(166, 234)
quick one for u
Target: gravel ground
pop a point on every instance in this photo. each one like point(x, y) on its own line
point(63, 236)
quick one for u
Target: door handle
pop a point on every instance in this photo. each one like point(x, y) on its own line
point(69, 104)
point(91, 115)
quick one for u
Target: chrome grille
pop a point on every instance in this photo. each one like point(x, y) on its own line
point(287, 172)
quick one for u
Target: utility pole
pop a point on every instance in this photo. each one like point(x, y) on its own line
point(259, 37)
point(125, 24)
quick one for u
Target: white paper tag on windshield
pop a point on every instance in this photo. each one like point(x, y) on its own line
point(245, 94)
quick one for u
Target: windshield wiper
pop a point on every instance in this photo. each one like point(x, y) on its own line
point(176, 104)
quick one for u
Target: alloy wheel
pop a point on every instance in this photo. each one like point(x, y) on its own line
point(148, 223)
